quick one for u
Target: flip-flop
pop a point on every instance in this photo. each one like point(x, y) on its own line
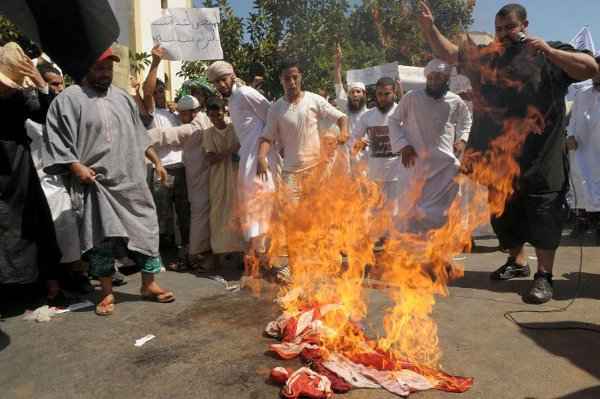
point(105, 310)
point(163, 297)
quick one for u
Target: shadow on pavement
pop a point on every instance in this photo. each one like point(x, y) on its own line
point(4, 340)
point(484, 249)
point(589, 393)
point(577, 346)
point(15, 299)
point(563, 289)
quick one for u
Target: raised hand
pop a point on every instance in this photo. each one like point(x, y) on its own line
point(426, 18)
point(338, 54)
point(157, 54)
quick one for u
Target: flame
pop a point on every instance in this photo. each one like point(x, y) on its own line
point(330, 231)
point(335, 218)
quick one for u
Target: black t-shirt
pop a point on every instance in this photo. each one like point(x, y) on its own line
point(505, 84)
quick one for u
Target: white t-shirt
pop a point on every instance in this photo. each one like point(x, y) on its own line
point(169, 155)
point(384, 165)
point(296, 128)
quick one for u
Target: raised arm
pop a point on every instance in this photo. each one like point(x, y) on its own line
point(441, 46)
point(341, 97)
point(150, 82)
point(338, 66)
point(577, 65)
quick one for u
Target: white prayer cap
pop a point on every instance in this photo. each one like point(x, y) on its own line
point(187, 103)
point(357, 85)
point(218, 69)
point(439, 66)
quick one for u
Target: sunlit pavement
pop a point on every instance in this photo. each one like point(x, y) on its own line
point(209, 343)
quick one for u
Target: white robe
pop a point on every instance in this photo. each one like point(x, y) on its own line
point(585, 127)
point(341, 101)
point(189, 137)
point(431, 126)
point(249, 109)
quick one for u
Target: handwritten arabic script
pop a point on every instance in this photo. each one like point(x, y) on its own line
point(189, 34)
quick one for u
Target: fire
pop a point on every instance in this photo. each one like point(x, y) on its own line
point(336, 216)
point(330, 232)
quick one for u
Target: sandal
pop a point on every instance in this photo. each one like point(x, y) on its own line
point(103, 309)
point(163, 297)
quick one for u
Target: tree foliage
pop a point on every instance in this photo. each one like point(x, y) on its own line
point(371, 33)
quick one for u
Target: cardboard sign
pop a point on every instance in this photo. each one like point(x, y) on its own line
point(189, 34)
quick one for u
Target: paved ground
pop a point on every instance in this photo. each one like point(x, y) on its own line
point(209, 343)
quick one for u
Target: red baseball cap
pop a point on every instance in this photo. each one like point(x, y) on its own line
point(108, 55)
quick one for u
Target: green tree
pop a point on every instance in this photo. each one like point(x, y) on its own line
point(393, 25)
point(138, 62)
point(306, 30)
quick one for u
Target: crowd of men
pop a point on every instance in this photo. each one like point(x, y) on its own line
point(91, 172)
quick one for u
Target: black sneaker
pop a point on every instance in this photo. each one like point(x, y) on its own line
point(510, 270)
point(541, 290)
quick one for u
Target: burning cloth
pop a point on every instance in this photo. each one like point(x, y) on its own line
point(365, 366)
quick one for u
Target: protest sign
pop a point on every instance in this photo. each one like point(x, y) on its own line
point(189, 34)
point(412, 78)
point(369, 76)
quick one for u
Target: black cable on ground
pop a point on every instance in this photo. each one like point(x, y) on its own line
point(510, 315)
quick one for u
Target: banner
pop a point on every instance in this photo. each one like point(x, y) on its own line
point(582, 41)
point(189, 34)
point(369, 76)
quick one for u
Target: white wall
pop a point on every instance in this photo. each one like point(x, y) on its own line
point(149, 10)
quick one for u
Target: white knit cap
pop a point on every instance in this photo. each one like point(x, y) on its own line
point(218, 69)
point(187, 103)
point(439, 66)
point(357, 85)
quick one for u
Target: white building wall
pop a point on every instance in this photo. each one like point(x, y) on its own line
point(139, 37)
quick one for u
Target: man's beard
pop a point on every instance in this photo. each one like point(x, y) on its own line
point(439, 92)
point(356, 106)
point(101, 85)
point(227, 93)
point(384, 109)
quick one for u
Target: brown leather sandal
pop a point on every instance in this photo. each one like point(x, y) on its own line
point(163, 297)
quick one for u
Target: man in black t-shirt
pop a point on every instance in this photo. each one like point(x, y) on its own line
point(520, 81)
